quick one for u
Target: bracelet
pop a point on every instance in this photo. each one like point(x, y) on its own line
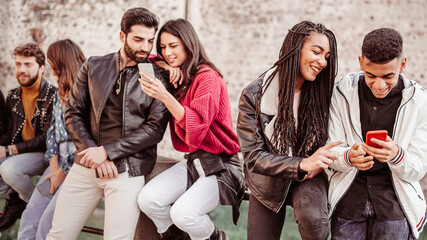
point(6, 149)
point(12, 150)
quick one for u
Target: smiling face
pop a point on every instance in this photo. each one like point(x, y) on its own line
point(173, 50)
point(382, 78)
point(27, 70)
point(138, 43)
point(314, 56)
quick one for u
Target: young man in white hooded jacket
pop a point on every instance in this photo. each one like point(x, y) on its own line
point(374, 192)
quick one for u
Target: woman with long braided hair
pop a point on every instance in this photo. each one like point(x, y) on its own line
point(282, 129)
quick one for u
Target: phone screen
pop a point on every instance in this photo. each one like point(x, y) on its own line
point(146, 68)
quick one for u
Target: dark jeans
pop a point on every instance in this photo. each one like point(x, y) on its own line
point(309, 200)
point(368, 227)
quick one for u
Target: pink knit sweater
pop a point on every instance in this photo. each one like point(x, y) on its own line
point(207, 122)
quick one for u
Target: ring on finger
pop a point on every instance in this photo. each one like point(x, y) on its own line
point(149, 85)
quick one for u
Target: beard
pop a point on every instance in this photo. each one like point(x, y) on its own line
point(131, 53)
point(29, 82)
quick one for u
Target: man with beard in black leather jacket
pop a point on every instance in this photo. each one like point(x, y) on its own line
point(115, 127)
point(23, 142)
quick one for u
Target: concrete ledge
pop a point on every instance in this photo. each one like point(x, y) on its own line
point(145, 229)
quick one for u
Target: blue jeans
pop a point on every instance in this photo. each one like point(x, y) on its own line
point(36, 220)
point(368, 227)
point(16, 172)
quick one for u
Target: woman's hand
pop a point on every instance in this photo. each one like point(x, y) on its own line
point(153, 87)
point(56, 178)
point(175, 76)
point(321, 159)
point(175, 73)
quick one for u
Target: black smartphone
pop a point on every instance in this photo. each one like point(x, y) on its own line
point(44, 188)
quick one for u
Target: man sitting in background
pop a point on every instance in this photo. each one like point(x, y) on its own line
point(22, 145)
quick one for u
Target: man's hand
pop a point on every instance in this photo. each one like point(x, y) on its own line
point(56, 179)
point(321, 159)
point(387, 152)
point(356, 155)
point(107, 170)
point(93, 156)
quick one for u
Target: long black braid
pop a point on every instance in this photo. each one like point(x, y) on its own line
point(313, 111)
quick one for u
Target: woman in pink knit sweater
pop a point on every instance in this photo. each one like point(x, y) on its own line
point(202, 127)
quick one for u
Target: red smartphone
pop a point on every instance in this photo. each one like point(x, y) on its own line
point(378, 134)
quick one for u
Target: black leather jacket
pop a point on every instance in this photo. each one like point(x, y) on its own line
point(268, 176)
point(144, 118)
point(229, 174)
point(40, 120)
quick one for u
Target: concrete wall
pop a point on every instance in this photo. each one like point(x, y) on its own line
point(242, 37)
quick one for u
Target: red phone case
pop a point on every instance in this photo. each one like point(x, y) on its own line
point(378, 134)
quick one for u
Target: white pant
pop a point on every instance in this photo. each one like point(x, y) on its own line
point(190, 207)
point(80, 194)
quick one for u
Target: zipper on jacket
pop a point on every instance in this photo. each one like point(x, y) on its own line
point(391, 173)
point(400, 203)
point(346, 191)
point(126, 162)
point(349, 114)
point(415, 191)
point(281, 203)
point(284, 199)
point(398, 113)
point(226, 184)
point(361, 139)
point(103, 106)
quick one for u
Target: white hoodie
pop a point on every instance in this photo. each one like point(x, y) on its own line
point(410, 133)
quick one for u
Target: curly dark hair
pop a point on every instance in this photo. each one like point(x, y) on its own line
point(382, 45)
point(138, 16)
point(313, 113)
point(30, 50)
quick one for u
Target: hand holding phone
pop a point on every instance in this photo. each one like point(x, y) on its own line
point(147, 68)
point(377, 134)
point(44, 188)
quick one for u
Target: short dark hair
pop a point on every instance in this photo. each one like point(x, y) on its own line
point(382, 45)
point(30, 50)
point(138, 16)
